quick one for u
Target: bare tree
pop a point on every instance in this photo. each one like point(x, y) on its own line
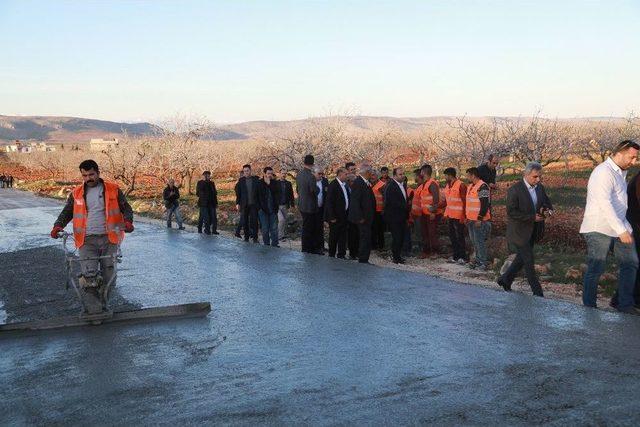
point(325, 138)
point(596, 139)
point(179, 148)
point(537, 139)
point(128, 161)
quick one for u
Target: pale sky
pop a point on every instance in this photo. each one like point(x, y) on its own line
point(276, 60)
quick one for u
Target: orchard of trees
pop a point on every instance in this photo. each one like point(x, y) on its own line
point(184, 146)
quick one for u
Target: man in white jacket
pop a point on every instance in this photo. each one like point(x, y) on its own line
point(605, 226)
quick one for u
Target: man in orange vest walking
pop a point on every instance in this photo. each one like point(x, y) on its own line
point(455, 193)
point(377, 237)
point(101, 215)
point(478, 214)
point(431, 213)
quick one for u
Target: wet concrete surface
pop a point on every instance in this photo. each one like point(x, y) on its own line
point(303, 339)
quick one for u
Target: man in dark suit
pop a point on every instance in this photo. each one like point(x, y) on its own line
point(396, 212)
point(323, 184)
point(362, 208)
point(527, 208)
point(247, 203)
point(207, 203)
point(308, 205)
point(335, 213)
point(352, 229)
point(285, 202)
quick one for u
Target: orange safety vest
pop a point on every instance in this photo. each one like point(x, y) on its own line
point(378, 194)
point(416, 209)
point(473, 203)
point(427, 198)
point(114, 219)
point(455, 207)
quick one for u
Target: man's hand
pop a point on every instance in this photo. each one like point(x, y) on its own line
point(238, 208)
point(432, 217)
point(56, 229)
point(333, 221)
point(626, 238)
point(128, 227)
point(539, 218)
point(361, 221)
point(477, 224)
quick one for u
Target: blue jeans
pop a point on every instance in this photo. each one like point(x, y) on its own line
point(479, 237)
point(174, 210)
point(269, 227)
point(598, 246)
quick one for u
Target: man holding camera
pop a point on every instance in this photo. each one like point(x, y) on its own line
point(527, 207)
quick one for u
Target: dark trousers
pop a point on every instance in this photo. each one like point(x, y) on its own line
point(319, 230)
point(377, 236)
point(398, 234)
point(456, 235)
point(240, 225)
point(430, 241)
point(353, 239)
point(524, 259)
point(636, 290)
point(338, 239)
point(250, 222)
point(364, 241)
point(207, 219)
point(310, 232)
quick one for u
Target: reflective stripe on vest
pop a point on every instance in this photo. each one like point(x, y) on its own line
point(427, 199)
point(416, 208)
point(455, 207)
point(113, 217)
point(377, 192)
point(473, 203)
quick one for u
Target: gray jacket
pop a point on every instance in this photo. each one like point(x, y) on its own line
point(307, 191)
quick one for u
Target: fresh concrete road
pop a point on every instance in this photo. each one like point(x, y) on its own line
point(303, 339)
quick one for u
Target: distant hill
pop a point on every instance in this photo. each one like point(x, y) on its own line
point(79, 130)
point(65, 129)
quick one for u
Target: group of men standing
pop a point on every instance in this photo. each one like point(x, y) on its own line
point(6, 181)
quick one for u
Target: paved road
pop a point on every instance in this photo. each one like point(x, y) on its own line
point(303, 339)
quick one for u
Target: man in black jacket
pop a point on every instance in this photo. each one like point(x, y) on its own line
point(362, 208)
point(207, 202)
point(352, 229)
point(323, 184)
point(268, 193)
point(335, 213)
point(247, 203)
point(171, 197)
point(285, 202)
point(487, 170)
point(396, 212)
point(527, 207)
point(308, 190)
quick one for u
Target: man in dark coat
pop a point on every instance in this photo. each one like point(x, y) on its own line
point(335, 213)
point(396, 212)
point(171, 197)
point(308, 191)
point(207, 202)
point(352, 229)
point(527, 208)
point(362, 208)
point(285, 202)
point(487, 170)
point(323, 184)
point(246, 190)
point(268, 193)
